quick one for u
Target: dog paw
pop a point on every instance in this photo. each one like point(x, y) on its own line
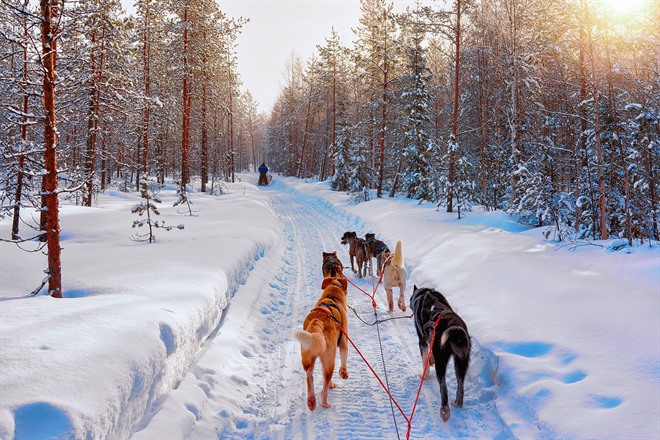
point(326, 404)
point(332, 385)
point(311, 403)
point(457, 404)
point(343, 373)
point(402, 304)
point(444, 413)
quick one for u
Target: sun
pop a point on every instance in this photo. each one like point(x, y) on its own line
point(624, 6)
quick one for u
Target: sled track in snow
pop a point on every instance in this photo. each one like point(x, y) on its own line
point(360, 407)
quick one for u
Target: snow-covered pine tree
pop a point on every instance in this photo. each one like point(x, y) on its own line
point(360, 173)
point(417, 171)
point(644, 158)
point(342, 158)
point(183, 198)
point(149, 191)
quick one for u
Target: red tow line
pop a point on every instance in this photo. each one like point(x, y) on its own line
point(372, 295)
point(419, 389)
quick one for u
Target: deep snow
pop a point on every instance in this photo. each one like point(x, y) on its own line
point(191, 337)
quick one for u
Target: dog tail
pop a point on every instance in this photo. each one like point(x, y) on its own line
point(397, 259)
point(313, 342)
point(459, 340)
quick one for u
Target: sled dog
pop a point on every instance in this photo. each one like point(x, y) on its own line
point(394, 275)
point(332, 266)
point(358, 251)
point(321, 336)
point(377, 250)
point(451, 339)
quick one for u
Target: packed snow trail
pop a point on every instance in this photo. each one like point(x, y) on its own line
point(258, 391)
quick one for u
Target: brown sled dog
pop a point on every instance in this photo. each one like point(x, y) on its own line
point(332, 266)
point(321, 337)
point(395, 275)
point(357, 250)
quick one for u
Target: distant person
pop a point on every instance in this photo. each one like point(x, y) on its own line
point(263, 169)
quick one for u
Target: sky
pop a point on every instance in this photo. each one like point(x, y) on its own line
point(192, 336)
point(280, 28)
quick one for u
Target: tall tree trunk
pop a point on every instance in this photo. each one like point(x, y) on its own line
point(334, 103)
point(453, 140)
point(305, 133)
point(484, 166)
point(252, 146)
point(92, 126)
point(617, 139)
point(599, 147)
point(187, 104)
point(205, 142)
point(580, 146)
point(104, 154)
point(231, 131)
point(146, 115)
point(21, 157)
point(513, 122)
point(383, 119)
point(381, 139)
point(396, 176)
point(49, 33)
point(650, 167)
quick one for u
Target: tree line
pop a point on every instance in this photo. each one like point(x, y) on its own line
point(547, 109)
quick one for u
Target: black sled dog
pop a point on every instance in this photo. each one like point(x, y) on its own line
point(451, 339)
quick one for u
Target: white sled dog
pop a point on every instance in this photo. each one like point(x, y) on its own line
point(395, 275)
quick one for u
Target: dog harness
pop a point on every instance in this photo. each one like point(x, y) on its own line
point(332, 304)
point(429, 326)
point(380, 246)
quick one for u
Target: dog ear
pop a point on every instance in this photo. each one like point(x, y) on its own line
point(325, 282)
point(414, 287)
point(344, 284)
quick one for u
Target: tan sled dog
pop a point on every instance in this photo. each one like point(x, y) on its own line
point(394, 275)
point(321, 337)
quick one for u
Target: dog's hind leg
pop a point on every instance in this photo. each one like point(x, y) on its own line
point(441, 359)
point(343, 356)
point(309, 370)
point(402, 291)
point(460, 366)
point(328, 370)
point(390, 300)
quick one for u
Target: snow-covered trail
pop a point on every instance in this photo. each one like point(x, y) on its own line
point(258, 390)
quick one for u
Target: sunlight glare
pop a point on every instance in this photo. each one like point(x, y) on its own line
point(624, 6)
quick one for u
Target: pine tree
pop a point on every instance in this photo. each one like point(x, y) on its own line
point(416, 100)
point(149, 192)
point(343, 164)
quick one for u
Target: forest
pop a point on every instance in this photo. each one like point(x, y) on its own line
point(546, 109)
